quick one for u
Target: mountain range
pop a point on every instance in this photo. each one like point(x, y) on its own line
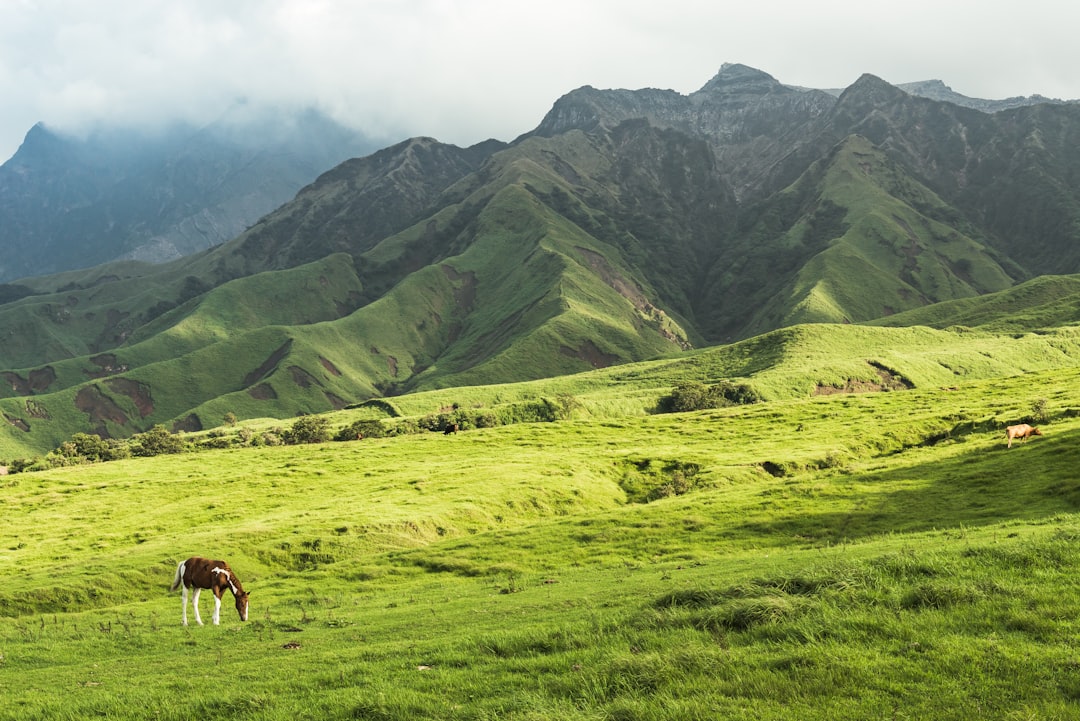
point(626, 225)
point(69, 202)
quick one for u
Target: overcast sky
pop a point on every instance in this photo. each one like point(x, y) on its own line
point(466, 70)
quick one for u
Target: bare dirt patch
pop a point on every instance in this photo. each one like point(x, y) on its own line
point(262, 392)
point(107, 365)
point(139, 393)
point(268, 365)
point(336, 401)
point(17, 422)
point(465, 291)
point(302, 378)
point(99, 408)
point(36, 410)
point(330, 367)
point(613, 278)
point(890, 381)
point(37, 381)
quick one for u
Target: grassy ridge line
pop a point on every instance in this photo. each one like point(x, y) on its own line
point(1044, 302)
point(789, 363)
point(786, 364)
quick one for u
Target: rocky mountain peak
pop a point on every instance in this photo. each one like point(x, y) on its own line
point(870, 90)
point(739, 78)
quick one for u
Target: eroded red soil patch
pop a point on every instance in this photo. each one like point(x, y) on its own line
point(268, 365)
point(889, 382)
point(302, 378)
point(613, 278)
point(330, 367)
point(262, 392)
point(139, 393)
point(107, 365)
point(37, 381)
point(17, 422)
point(336, 401)
point(36, 410)
point(99, 408)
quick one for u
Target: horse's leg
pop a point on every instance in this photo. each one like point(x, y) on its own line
point(195, 604)
point(183, 599)
point(217, 605)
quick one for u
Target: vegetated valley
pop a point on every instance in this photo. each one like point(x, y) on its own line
point(545, 467)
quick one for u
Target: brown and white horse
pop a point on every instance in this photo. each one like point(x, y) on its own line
point(199, 573)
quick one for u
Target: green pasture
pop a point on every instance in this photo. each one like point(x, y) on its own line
point(876, 555)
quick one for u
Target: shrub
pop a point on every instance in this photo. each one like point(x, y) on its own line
point(696, 396)
point(156, 441)
point(403, 427)
point(542, 410)
point(91, 448)
point(307, 429)
point(1039, 410)
point(361, 429)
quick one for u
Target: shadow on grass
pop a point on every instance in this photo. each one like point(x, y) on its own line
point(1032, 480)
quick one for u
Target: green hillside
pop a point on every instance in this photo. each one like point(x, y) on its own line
point(1044, 302)
point(834, 556)
point(628, 226)
point(867, 219)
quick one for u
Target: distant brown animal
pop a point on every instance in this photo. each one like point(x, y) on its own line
point(199, 573)
point(1022, 431)
point(451, 428)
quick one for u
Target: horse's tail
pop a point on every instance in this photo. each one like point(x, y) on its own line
point(179, 578)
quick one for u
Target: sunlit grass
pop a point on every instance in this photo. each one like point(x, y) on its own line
point(845, 556)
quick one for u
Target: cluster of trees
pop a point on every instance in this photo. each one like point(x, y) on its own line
point(89, 448)
point(695, 396)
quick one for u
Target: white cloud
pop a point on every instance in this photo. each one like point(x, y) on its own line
point(466, 70)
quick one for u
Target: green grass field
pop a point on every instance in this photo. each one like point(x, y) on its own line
point(878, 555)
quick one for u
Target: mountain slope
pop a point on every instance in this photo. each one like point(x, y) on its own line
point(628, 225)
point(68, 202)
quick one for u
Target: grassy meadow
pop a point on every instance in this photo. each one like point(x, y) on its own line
point(872, 555)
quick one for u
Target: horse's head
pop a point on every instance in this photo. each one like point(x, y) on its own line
point(242, 605)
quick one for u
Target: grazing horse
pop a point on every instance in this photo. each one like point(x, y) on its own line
point(450, 428)
point(199, 573)
point(1022, 431)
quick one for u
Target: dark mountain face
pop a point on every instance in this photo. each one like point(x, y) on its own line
point(69, 203)
point(749, 119)
point(628, 224)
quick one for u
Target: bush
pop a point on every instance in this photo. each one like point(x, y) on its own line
point(156, 441)
point(696, 396)
point(91, 448)
point(361, 429)
point(542, 410)
point(307, 429)
point(1039, 412)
